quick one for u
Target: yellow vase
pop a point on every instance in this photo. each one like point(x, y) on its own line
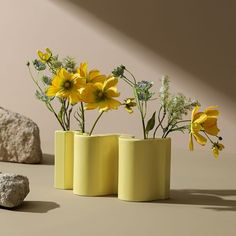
point(144, 169)
point(95, 165)
point(64, 153)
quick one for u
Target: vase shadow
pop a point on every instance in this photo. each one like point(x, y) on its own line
point(37, 206)
point(208, 199)
point(48, 159)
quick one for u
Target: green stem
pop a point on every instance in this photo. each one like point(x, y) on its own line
point(135, 82)
point(128, 81)
point(48, 104)
point(160, 120)
point(34, 80)
point(96, 121)
point(50, 108)
point(208, 137)
point(174, 129)
point(181, 121)
point(141, 112)
point(83, 117)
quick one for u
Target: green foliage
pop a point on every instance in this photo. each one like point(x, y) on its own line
point(151, 123)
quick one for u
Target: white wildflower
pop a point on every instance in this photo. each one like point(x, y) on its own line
point(164, 91)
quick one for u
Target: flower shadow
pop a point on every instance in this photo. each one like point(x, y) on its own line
point(208, 199)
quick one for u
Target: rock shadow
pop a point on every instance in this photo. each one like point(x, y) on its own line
point(36, 206)
point(48, 159)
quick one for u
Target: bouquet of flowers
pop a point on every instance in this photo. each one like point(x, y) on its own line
point(170, 117)
point(74, 88)
point(78, 89)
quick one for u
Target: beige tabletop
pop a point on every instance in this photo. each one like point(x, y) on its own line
point(203, 202)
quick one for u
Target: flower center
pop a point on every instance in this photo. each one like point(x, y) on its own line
point(67, 85)
point(100, 94)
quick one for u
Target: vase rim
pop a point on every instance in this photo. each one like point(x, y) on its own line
point(133, 139)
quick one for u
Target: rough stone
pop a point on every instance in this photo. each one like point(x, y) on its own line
point(13, 190)
point(19, 138)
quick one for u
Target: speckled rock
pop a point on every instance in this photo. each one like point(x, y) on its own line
point(19, 138)
point(13, 190)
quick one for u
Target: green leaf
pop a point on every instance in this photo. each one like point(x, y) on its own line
point(151, 123)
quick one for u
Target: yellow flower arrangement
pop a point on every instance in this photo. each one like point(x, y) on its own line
point(71, 86)
point(169, 118)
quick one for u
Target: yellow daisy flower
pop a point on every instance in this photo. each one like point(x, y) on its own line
point(210, 124)
point(197, 120)
point(45, 57)
point(65, 85)
point(101, 95)
point(87, 77)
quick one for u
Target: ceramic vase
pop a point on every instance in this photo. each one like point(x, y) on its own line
point(144, 169)
point(95, 165)
point(64, 154)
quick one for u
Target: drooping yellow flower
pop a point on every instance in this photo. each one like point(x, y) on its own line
point(129, 103)
point(101, 95)
point(210, 124)
point(216, 148)
point(65, 85)
point(86, 77)
point(45, 57)
point(197, 119)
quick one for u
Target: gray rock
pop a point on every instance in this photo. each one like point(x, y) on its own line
point(13, 190)
point(19, 138)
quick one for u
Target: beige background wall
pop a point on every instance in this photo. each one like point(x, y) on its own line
point(194, 42)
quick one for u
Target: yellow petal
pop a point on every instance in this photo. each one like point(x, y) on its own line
point(129, 109)
point(194, 111)
point(93, 74)
point(103, 106)
point(215, 152)
point(211, 111)
point(110, 82)
point(196, 127)
point(88, 94)
point(57, 81)
point(200, 139)
point(63, 73)
point(48, 51)
point(83, 69)
point(113, 104)
point(40, 54)
point(91, 106)
point(112, 92)
point(99, 78)
point(52, 91)
point(190, 145)
point(201, 118)
point(210, 126)
point(221, 146)
point(74, 98)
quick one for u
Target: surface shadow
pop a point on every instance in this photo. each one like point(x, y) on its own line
point(48, 159)
point(207, 199)
point(37, 206)
point(198, 36)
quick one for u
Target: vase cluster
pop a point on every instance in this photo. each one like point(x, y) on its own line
point(113, 164)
